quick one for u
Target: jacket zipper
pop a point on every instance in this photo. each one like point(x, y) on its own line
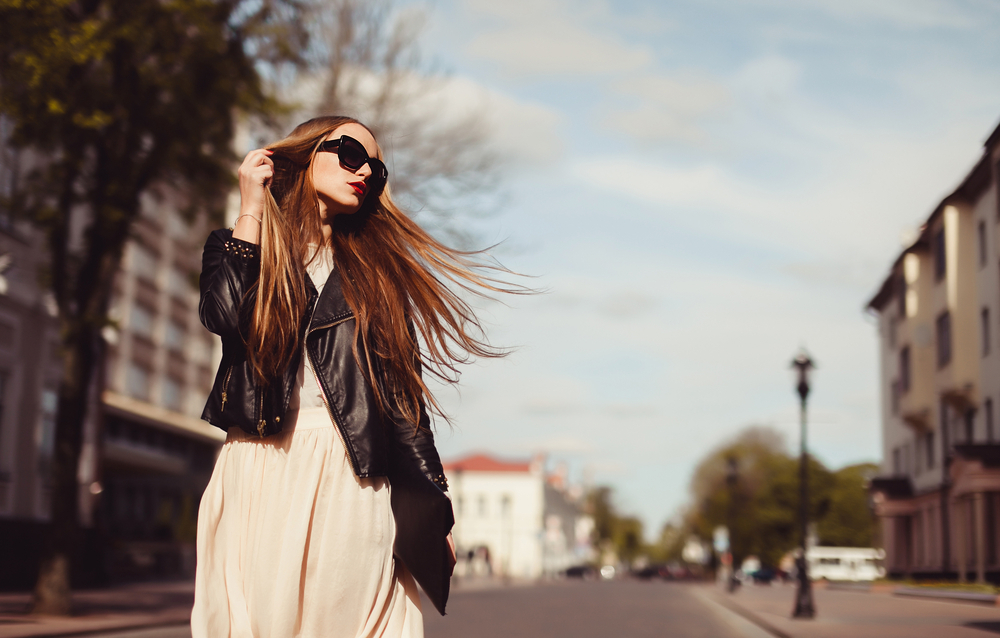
point(225, 387)
point(326, 401)
point(262, 423)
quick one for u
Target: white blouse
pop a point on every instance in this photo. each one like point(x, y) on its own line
point(307, 392)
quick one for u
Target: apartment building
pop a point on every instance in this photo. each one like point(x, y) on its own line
point(147, 456)
point(938, 310)
point(511, 519)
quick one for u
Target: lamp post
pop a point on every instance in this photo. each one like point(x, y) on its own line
point(731, 476)
point(804, 607)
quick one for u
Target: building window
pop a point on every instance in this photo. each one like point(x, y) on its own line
point(943, 425)
point(943, 325)
point(894, 394)
point(141, 321)
point(904, 370)
point(3, 396)
point(940, 266)
point(970, 426)
point(483, 511)
point(981, 232)
point(179, 283)
point(505, 505)
point(929, 449)
point(897, 468)
point(901, 295)
point(918, 443)
point(45, 434)
point(984, 320)
point(173, 396)
point(988, 416)
point(137, 381)
point(143, 262)
point(173, 337)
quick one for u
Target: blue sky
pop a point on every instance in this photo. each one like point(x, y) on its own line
point(703, 187)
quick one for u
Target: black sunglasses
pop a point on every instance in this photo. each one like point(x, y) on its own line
point(353, 155)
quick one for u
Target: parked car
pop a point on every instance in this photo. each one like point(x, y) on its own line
point(585, 572)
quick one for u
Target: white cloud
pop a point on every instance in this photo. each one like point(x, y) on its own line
point(908, 14)
point(666, 109)
point(531, 38)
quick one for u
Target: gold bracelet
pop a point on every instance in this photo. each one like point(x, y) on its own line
point(246, 215)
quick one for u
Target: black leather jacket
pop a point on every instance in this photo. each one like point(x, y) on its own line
point(378, 442)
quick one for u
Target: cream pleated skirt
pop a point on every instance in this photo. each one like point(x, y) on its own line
point(291, 543)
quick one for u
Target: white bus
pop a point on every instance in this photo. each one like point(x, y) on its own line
point(845, 563)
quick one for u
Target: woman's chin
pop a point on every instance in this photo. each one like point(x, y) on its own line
point(333, 211)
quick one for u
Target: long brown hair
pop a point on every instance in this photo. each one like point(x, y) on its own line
point(401, 283)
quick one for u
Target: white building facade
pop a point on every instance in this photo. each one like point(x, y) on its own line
point(512, 521)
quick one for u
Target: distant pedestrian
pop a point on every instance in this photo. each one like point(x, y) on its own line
point(328, 299)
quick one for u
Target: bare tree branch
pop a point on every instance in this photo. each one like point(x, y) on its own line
point(443, 167)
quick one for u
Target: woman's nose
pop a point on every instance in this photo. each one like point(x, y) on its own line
point(365, 171)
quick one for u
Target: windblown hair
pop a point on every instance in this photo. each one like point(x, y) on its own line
point(400, 282)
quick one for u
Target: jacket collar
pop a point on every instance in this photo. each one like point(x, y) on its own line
point(331, 306)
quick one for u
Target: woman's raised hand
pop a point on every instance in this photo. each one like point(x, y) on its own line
point(255, 174)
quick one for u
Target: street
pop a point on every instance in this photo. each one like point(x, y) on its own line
point(620, 609)
point(635, 609)
point(625, 609)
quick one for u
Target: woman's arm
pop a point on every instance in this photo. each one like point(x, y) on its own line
point(230, 263)
point(229, 268)
point(255, 174)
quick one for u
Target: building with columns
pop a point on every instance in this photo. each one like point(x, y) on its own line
point(938, 310)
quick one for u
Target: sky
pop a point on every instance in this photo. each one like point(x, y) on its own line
point(702, 188)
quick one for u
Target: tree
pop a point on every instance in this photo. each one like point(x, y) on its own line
point(442, 160)
point(624, 533)
point(761, 509)
point(111, 100)
point(849, 520)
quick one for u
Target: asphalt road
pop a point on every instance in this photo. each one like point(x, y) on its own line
point(591, 609)
point(568, 609)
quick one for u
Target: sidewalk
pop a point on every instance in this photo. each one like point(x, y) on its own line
point(859, 614)
point(99, 610)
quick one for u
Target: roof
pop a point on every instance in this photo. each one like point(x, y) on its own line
point(972, 187)
point(993, 139)
point(486, 463)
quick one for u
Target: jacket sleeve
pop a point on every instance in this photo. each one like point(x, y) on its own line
point(229, 268)
point(417, 444)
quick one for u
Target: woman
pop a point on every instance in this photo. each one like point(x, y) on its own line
point(321, 293)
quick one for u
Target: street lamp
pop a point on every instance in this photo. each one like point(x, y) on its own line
point(731, 477)
point(804, 607)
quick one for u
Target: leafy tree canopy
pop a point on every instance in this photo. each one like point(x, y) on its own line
point(105, 101)
point(759, 503)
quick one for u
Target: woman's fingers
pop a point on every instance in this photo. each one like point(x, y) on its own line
point(451, 548)
point(257, 166)
point(255, 174)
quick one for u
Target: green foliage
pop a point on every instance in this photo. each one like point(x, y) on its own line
point(761, 506)
point(624, 533)
point(849, 521)
point(109, 101)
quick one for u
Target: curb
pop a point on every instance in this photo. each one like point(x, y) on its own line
point(944, 594)
point(749, 615)
point(113, 629)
